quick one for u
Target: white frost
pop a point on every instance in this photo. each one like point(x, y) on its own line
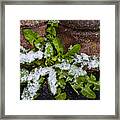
point(30, 91)
point(32, 87)
point(24, 75)
point(31, 56)
point(85, 60)
point(85, 56)
point(52, 81)
point(23, 50)
point(93, 64)
point(77, 71)
point(63, 66)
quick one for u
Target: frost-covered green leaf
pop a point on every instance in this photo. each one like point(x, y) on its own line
point(93, 64)
point(32, 86)
point(49, 52)
point(69, 59)
point(87, 92)
point(85, 60)
point(73, 50)
point(53, 23)
point(76, 71)
point(23, 75)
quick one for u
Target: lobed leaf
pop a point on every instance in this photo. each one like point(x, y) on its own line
point(57, 44)
point(49, 52)
point(51, 30)
point(75, 49)
point(61, 96)
point(32, 37)
point(96, 86)
point(92, 77)
point(87, 92)
point(61, 83)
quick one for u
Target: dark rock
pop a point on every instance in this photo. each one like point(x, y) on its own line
point(31, 23)
point(41, 30)
point(81, 24)
point(84, 32)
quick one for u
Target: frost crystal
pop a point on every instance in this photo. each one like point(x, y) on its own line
point(63, 66)
point(24, 75)
point(77, 71)
point(93, 64)
point(23, 50)
point(30, 91)
point(30, 56)
point(85, 60)
point(52, 81)
point(48, 50)
point(78, 59)
point(85, 57)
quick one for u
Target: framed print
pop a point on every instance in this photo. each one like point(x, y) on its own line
point(60, 59)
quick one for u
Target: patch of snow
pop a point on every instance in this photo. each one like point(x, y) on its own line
point(23, 75)
point(30, 56)
point(63, 66)
point(77, 71)
point(52, 81)
point(93, 64)
point(85, 60)
point(32, 87)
